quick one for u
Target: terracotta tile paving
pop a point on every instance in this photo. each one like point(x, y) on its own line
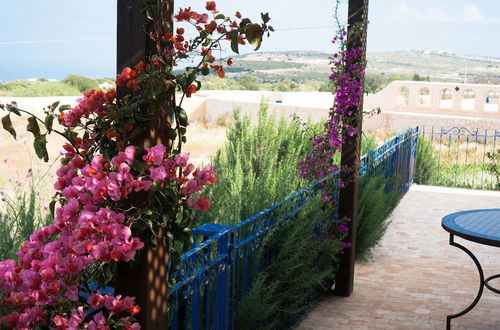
point(416, 278)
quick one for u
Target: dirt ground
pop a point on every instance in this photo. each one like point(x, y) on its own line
point(17, 156)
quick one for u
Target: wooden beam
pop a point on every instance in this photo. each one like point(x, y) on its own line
point(147, 280)
point(348, 197)
point(133, 45)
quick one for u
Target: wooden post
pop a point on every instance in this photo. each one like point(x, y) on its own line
point(348, 197)
point(147, 280)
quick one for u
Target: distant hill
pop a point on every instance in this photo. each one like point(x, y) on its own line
point(301, 66)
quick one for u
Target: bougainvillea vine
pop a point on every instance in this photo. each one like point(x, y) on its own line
point(347, 80)
point(114, 197)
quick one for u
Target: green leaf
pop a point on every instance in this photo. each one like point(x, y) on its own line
point(235, 45)
point(204, 34)
point(54, 105)
point(265, 17)
point(254, 35)
point(7, 125)
point(171, 133)
point(207, 43)
point(244, 22)
point(233, 35)
point(186, 238)
point(220, 16)
point(205, 71)
point(183, 118)
point(64, 107)
point(12, 107)
point(70, 135)
point(40, 145)
point(52, 208)
point(49, 120)
point(33, 126)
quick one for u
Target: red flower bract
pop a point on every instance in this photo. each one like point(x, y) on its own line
point(183, 15)
point(190, 90)
point(210, 5)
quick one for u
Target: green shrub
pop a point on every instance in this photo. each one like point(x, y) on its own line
point(38, 88)
point(426, 162)
point(81, 83)
point(494, 166)
point(21, 214)
point(288, 286)
point(378, 198)
point(257, 167)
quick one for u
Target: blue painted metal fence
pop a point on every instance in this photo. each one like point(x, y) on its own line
point(219, 270)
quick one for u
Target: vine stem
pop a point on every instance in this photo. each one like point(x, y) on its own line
point(51, 130)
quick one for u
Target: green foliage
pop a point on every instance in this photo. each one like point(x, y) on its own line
point(367, 143)
point(21, 215)
point(81, 83)
point(375, 82)
point(494, 166)
point(249, 82)
point(36, 89)
point(286, 86)
point(377, 200)
point(426, 162)
point(304, 267)
point(72, 85)
point(417, 77)
point(258, 166)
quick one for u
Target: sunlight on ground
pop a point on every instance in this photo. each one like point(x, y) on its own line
point(17, 156)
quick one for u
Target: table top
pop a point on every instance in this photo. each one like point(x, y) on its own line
point(481, 226)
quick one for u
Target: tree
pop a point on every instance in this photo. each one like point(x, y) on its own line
point(375, 83)
point(81, 83)
point(249, 82)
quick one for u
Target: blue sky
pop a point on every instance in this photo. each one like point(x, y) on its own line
point(52, 38)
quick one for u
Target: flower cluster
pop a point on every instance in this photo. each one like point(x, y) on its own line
point(86, 232)
point(346, 74)
point(93, 101)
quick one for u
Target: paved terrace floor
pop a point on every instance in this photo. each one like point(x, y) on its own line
point(416, 278)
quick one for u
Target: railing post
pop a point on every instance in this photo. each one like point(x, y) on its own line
point(414, 148)
point(222, 283)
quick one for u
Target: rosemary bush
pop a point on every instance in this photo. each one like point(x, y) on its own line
point(257, 166)
point(21, 214)
point(426, 162)
point(377, 200)
point(303, 267)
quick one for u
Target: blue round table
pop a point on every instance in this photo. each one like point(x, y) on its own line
point(480, 226)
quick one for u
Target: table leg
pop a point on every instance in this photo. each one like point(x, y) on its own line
point(481, 283)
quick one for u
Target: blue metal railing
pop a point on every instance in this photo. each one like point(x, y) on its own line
point(456, 156)
point(219, 270)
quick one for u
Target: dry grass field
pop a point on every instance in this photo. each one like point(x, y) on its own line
point(17, 156)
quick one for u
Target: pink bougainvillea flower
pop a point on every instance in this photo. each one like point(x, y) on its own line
point(201, 203)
